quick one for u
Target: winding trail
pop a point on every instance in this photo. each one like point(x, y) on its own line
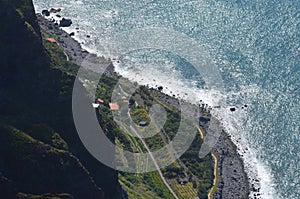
point(210, 192)
point(154, 161)
point(149, 151)
point(201, 133)
point(67, 57)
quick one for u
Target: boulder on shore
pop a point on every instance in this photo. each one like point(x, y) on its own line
point(232, 109)
point(65, 22)
point(46, 13)
point(53, 10)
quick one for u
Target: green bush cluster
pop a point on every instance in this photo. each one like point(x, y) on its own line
point(139, 114)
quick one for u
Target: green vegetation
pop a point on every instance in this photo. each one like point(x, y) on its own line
point(202, 169)
point(45, 134)
point(58, 57)
point(147, 185)
point(199, 172)
point(185, 191)
point(139, 114)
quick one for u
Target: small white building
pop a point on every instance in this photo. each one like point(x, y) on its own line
point(95, 105)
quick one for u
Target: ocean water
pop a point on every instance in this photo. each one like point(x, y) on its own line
point(255, 48)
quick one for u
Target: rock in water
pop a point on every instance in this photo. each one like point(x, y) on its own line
point(53, 10)
point(65, 22)
point(46, 13)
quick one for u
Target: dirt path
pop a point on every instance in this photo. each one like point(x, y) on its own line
point(149, 151)
point(210, 193)
point(154, 161)
point(201, 133)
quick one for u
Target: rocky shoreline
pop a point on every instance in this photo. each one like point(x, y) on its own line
point(233, 181)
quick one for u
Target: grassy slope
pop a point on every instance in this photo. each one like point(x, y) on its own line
point(137, 186)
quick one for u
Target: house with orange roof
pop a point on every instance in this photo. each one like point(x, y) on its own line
point(52, 40)
point(113, 106)
point(99, 100)
point(126, 101)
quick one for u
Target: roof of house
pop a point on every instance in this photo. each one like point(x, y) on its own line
point(143, 123)
point(52, 40)
point(95, 105)
point(113, 106)
point(126, 100)
point(183, 179)
point(100, 100)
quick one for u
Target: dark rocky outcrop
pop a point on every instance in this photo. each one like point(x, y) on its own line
point(53, 10)
point(204, 122)
point(65, 22)
point(46, 13)
point(232, 109)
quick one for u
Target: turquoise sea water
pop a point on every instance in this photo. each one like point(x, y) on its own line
point(255, 46)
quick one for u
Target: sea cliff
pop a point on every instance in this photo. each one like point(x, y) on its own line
point(41, 154)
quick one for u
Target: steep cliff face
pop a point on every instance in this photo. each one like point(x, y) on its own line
point(24, 62)
point(25, 160)
point(21, 44)
point(40, 152)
